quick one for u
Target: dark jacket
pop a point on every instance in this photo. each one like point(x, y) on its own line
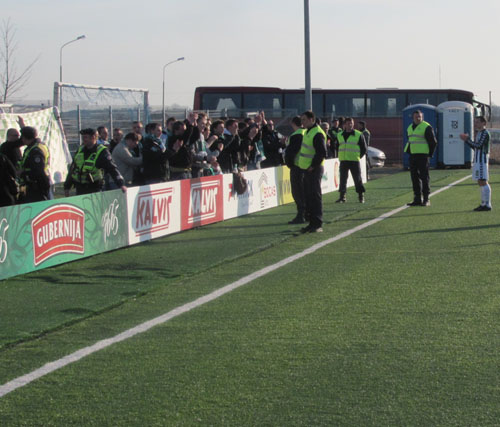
point(8, 184)
point(229, 156)
point(105, 162)
point(182, 159)
point(12, 149)
point(154, 160)
point(429, 137)
point(293, 148)
point(33, 173)
point(273, 148)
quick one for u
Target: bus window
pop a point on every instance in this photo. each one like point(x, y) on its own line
point(297, 101)
point(221, 101)
point(262, 101)
point(345, 104)
point(422, 98)
point(385, 104)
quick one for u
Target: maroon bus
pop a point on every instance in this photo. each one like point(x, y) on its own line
point(381, 109)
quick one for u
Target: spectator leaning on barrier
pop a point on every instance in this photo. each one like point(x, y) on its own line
point(126, 160)
point(12, 146)
point(273, 146)
point(198, 147)
point(248, 147)
point(215, 142)
point(138, 128)
point(167, 132)
point(8, 183)
point(181, 162)
point(155, 156)
point(86, 171)
point(116, 139)
point(34, 176)
point(103, 133)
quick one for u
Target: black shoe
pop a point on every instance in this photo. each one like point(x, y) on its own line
point(297, 220)
point(483, 208)
point(426, 202)
point(311, 229)
point(361, 198)
point(415, 202)
point(341, 199)
point(306, 229)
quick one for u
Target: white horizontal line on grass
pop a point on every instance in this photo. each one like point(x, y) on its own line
point(146, 326)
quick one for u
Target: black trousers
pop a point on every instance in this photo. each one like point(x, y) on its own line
point(355, 168)
point(314, 200)
point(297, 183)
point(419, 171)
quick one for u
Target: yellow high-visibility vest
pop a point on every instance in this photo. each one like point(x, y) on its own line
point(307, 151)
point(417, 144)
point(349, 149)
point(86, 171)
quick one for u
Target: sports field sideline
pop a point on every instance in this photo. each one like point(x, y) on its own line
point(396, 324)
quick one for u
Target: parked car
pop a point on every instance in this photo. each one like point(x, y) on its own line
point(376, 157)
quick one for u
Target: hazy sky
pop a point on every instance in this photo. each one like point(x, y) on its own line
point(354, 44)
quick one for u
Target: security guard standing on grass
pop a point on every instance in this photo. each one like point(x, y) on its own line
point(312, 156)
point(351, 148)
point(86, 171)
point(421, 145)
point(34, 173)
point(296, 173)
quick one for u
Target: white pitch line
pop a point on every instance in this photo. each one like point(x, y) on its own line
point(146, 326)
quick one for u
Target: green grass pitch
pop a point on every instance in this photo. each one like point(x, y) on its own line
point(397, 324)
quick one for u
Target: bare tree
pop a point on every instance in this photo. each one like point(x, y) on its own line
point(12, 79)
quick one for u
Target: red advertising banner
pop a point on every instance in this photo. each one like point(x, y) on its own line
point(57, 230)
point(201, 201)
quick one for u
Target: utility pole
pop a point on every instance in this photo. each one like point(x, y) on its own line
point(307, 51)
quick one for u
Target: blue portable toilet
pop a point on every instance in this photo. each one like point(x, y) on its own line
point(454, 118)
point(430, 116)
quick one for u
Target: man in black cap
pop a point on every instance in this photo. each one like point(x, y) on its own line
point(11, 148)
point(86, 171)
point(34, 173)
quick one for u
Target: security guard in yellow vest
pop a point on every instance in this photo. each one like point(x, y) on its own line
point(351, 149)
point(86, 171)
point(421, 146)
point(335, 129)
point(292, 150)
point(312, 156)
point(34, 173)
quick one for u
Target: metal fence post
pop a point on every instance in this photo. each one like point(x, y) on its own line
point(79, 123)
point(110, 120)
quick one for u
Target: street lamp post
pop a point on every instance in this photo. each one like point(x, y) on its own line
point(307, 59)
point(163, 97)
point(60, 54)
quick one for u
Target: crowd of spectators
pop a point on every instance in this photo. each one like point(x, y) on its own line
point(195, 147)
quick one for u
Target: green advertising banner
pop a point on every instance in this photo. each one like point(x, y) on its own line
point(39, 235)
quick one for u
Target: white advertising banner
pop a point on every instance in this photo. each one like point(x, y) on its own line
point(50, 131)
point(153, 211)
point(262, 193)
point(328, 180)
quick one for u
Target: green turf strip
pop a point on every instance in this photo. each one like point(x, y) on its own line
point(42, 301)
point(404, 334)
